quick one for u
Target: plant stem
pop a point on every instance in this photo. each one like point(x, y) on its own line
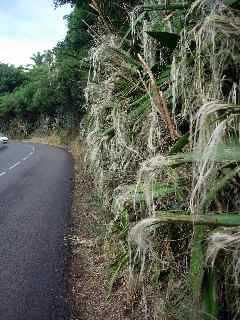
point(160, 101)
point(211, 219)
point(197, 270)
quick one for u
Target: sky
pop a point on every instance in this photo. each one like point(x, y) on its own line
point(29, 26)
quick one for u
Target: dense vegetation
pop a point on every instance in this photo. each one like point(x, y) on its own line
point(157, 85)
point(50, 91)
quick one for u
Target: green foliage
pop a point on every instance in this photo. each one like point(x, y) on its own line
point(166, 6)
point(78, 24)
point(38, 58)
point(37, 97)
point(179, 144)
point(122, 223)
point(116, 269)
point(231, 2)
point(10, 78)
point(54, 85)
point(166, 39)
point(211, 307)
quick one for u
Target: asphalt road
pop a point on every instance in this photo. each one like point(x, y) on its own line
point(35, 198)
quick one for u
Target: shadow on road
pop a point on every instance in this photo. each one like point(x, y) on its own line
point(3, 146)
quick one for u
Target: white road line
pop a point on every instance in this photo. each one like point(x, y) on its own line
point(19, 162)
point(15, 165)
point(27, 157)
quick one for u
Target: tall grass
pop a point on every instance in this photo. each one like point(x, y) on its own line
point(137, 109)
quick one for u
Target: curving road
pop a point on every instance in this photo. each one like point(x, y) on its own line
point(35, 199)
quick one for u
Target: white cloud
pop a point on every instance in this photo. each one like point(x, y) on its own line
point(29, 26)
point(18, 52)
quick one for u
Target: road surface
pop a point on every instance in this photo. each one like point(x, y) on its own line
point(35, 199)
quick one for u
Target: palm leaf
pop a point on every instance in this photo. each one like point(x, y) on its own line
point(166, 39)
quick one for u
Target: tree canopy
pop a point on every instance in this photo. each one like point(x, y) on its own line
point(10, 78)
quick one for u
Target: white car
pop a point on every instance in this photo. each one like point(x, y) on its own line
point(3, 139)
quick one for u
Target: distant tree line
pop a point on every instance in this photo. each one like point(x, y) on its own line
point(53, 85)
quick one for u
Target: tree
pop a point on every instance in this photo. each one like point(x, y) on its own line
point(10, 77)
point(38, 58)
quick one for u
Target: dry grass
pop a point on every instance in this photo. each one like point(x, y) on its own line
point(52, 140)
point(88, 262)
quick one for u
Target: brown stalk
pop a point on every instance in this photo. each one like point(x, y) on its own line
point(160, 101)
point(94, 5)
point(98, 8)
point(167, 18)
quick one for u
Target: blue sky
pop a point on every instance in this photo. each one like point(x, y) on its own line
point(28, 26)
